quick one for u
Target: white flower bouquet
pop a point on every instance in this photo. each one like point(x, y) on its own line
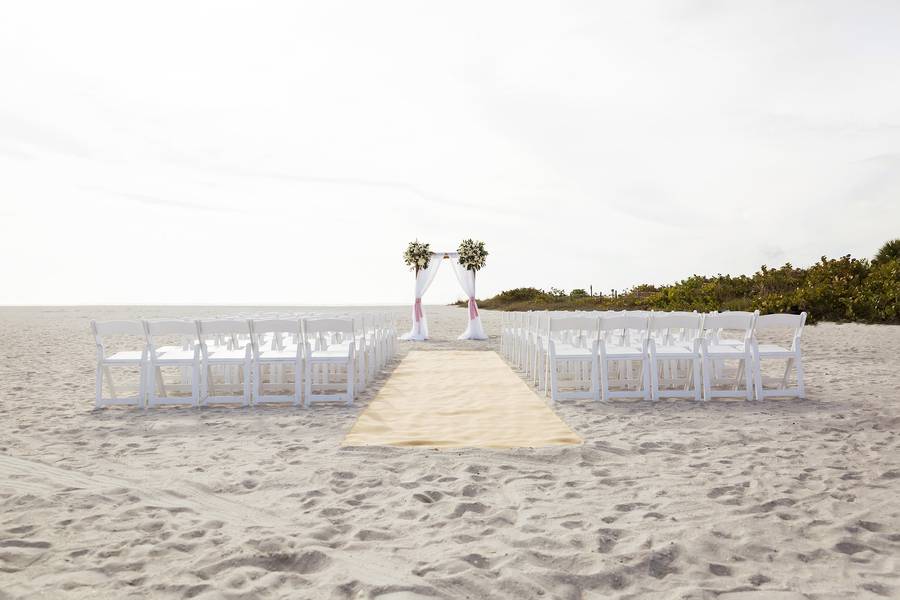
point(472, 255)
point(417, 255)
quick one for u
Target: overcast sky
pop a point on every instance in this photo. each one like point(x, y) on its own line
point(266, 152)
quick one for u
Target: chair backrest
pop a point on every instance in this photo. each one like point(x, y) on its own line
point(270, 332)
point(222, 331)
point(616, 322)
point(781, 321)
point(670, 328)
point(103, 330)
point(328, 325)
point(668, 321)
point(792, 324)
point(107, 328)
point(555, 324)
point(171, 327)
point(168, 329)
point(261, 326)
point(318, 334)
point(222, 327)
point(573, 330)
point(715, 323)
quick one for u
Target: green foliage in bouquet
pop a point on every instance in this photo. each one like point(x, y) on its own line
point(417, 255)
point(472, 255)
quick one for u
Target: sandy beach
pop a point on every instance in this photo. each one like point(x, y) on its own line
point(731, 500)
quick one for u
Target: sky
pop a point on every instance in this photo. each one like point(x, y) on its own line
point(286, 152)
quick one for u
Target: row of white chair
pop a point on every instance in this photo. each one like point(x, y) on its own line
point(226, 360)
point(649, 355)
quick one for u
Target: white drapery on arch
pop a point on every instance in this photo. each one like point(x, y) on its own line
point(466, 278)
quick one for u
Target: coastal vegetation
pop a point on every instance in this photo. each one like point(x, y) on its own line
point(838, 289)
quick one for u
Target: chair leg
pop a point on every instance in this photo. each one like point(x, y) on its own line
point(257, 383)
point(801, 388)
point(787, 373)
point(748, 376)
point(654, 375)
point(645, 378)
point(247, 394)
point(307, 393)
point(110, 383)
point(604, 379)
point(758, 392)
point(350, 370)
point(195, 385)
point(554, 391)
point(205, 377)
point(160, 382)
point(707, 385)
point(298, 382)
point(142, 386)
point(99, 384)
point(695, 364)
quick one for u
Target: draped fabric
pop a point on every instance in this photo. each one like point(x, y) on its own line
point(424, 278)
point(466, 278)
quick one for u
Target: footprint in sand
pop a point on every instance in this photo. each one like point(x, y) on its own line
point(464, 507)
point(607, 539)
point(476, 560)
point(428, 497)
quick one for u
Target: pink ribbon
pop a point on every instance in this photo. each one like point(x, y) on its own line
point(417, 309)
point(473, 310)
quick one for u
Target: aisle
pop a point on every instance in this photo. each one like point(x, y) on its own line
point(455, 399)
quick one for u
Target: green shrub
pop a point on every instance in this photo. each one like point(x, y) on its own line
point(842, 289)
point(879, 299)
point(829, 289)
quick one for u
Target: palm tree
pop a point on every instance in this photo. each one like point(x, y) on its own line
point(889, 251)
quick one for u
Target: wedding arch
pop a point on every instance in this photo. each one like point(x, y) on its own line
point(469, 258)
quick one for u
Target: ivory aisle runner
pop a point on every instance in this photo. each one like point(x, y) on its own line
point(455, 399)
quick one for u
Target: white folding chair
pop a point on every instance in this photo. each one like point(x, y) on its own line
point(186, 358)
point(277, 343)
point(538, 341)
point(716, 349)
point(572, 351)
point(225, 344)
point(330, 344)
point(674, 346)
point(102, 331)
point(792, 355)
point(623, 341)
point(365, 351)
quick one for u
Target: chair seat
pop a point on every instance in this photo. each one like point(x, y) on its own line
point(774, 351)
point(127, 356)
point(281, 355)
point(226, 355)
point(334, 353)
point(175, 356)
point(674, 352)
point(623, 352)
point(726, 350)
point(731, 342)
point(163, 349)
point(567, 351)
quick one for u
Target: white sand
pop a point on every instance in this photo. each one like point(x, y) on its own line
point(672, 500)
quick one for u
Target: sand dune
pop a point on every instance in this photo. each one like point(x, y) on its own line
point(780, 500)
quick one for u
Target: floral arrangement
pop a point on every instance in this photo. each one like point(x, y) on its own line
point(417, 255)
point(472, 255)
